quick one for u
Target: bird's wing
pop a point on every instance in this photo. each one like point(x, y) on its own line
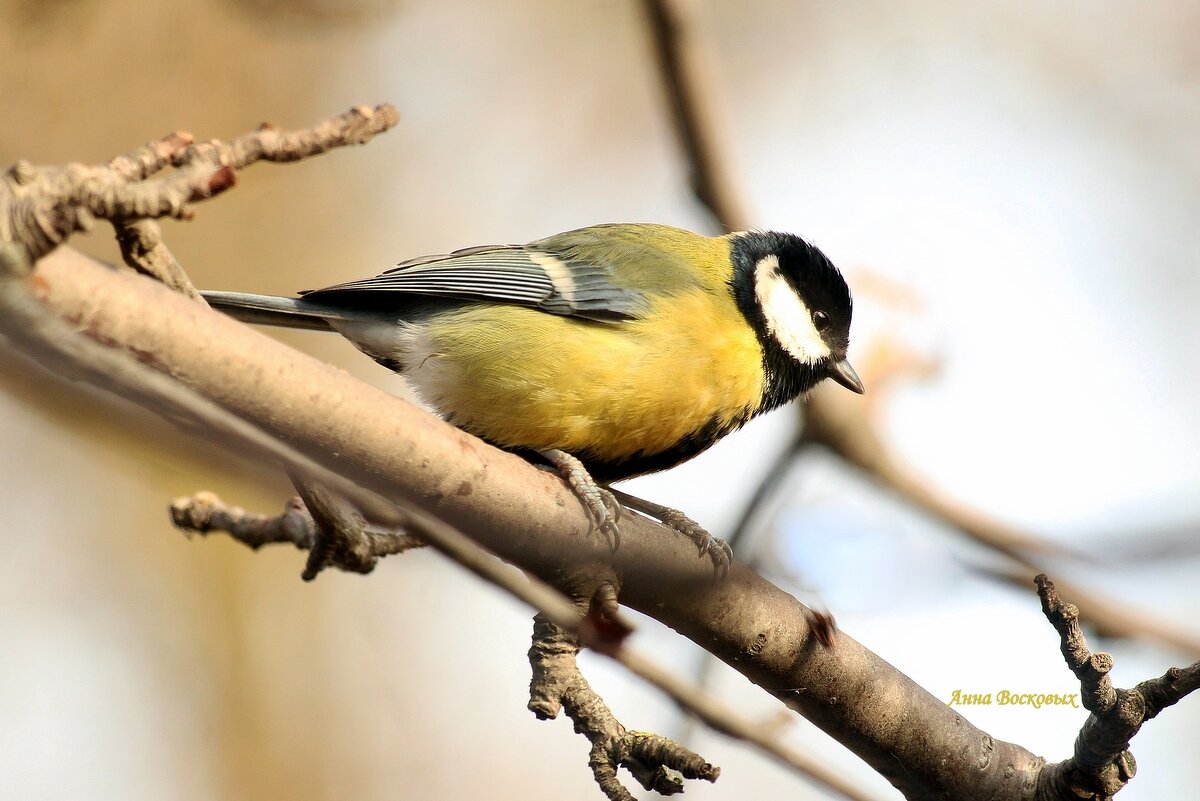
point(513, 274)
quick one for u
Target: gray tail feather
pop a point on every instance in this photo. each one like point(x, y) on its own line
point(274, 310)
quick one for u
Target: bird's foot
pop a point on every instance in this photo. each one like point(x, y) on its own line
point(602, 507)
point(715, 548)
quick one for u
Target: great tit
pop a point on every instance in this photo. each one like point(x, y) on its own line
point(614, 350)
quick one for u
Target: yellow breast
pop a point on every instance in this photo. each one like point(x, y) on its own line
point(522, 378)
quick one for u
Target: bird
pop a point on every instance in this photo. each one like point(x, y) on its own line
point(609, 351)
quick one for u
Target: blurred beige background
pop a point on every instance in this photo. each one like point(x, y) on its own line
point(1029, 170)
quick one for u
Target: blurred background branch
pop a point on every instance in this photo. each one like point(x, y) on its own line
point(843, 424)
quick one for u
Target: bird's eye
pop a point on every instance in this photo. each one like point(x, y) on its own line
point(820, 320)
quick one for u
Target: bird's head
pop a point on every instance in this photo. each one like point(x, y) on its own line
point(800, 307)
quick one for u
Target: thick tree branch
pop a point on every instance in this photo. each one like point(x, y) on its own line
point(531, 519)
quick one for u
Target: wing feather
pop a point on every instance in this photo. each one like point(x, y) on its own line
point(504, 274)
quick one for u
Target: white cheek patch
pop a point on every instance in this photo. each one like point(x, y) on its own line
point(788, 320)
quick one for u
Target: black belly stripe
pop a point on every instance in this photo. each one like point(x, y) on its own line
point(606, 470)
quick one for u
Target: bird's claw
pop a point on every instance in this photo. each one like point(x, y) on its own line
point(602, 507)
point(605, 518)
point(604, 510)
point(717, 549)
point(612, 509)
point(611, 504)
point(726, 555)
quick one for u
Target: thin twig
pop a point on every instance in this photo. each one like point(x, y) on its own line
point(341, 537)
point(558, 685)
point(269, 143)
point(141, 241)
point(45, 205)
point(204, 513)
point(143, 249)
point(1102, 764)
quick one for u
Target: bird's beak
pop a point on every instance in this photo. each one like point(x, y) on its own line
point(844, 374)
